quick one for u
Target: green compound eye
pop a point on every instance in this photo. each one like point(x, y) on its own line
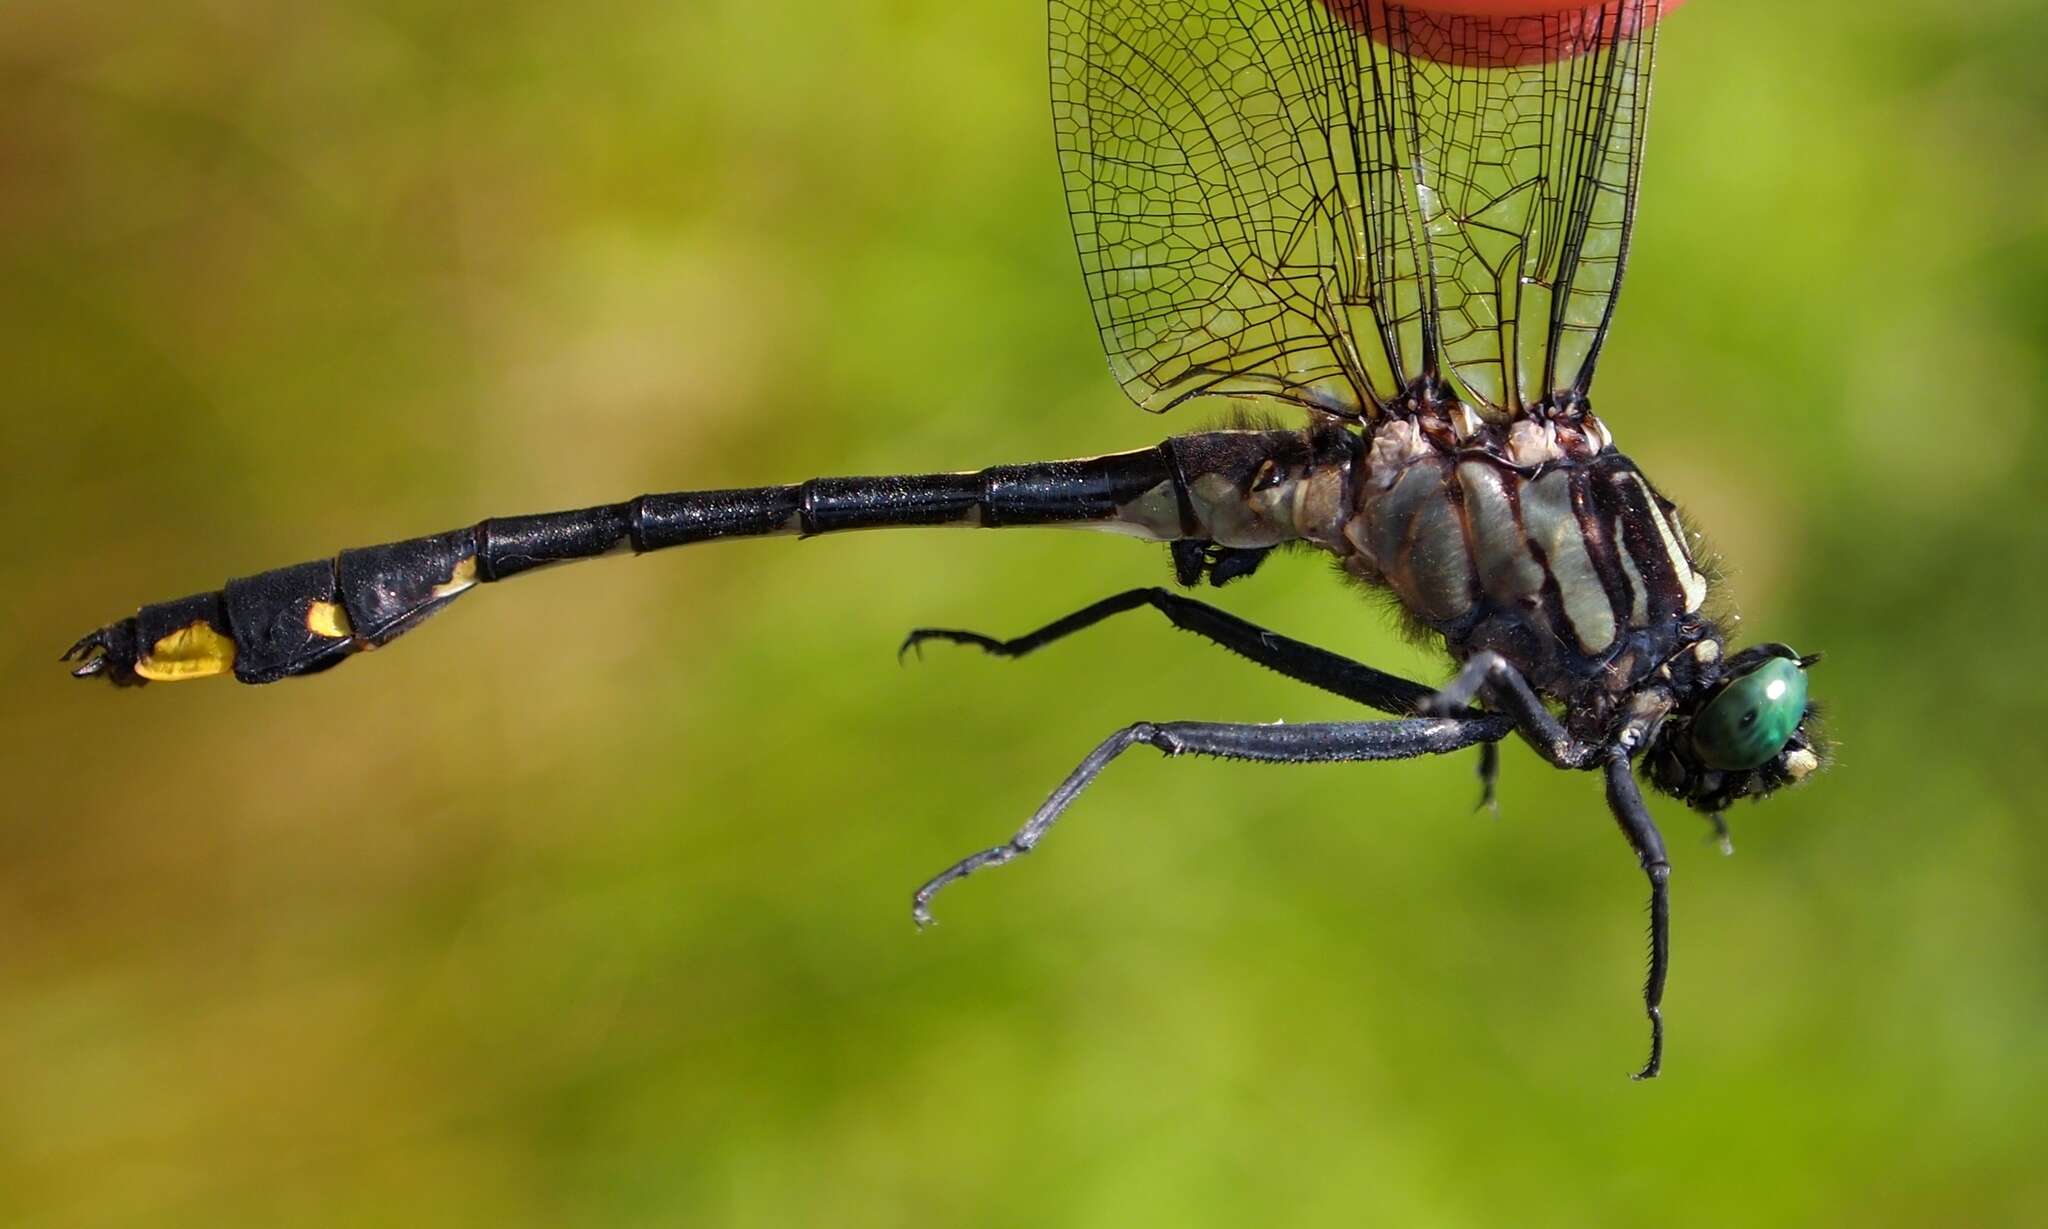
point(1749, 722)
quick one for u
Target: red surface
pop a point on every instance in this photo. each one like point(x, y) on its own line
point(1492, 32)
point(1505, 8)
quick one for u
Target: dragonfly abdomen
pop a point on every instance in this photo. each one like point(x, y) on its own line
point(311, 616)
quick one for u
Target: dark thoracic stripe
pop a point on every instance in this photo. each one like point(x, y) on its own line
point(1652, 538)
point(1597, 529)
point(1536, 555)
point(1568, 563)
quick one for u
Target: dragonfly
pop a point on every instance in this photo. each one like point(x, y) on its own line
point(1402, 226)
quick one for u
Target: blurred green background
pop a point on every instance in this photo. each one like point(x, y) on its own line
point(587, 904)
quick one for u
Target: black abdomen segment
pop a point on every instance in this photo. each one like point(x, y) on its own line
point(310, 616)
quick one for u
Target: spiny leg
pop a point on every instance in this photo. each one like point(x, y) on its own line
point(1195, 559)
point(1493, 676)
point(1626, 801)
point(1489, 778)
point(1719, 836)
point(1311, 743)
point(1490, 676)
point(1302, 662)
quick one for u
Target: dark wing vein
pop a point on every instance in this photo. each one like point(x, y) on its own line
point(1336, 202)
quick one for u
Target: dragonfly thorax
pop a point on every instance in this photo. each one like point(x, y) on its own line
point(1531, 538)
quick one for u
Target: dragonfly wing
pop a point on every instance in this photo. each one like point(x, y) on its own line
point(1328, 201)
point(1196, 149)
point(1525, 135)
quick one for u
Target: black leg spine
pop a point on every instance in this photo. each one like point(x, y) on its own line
point(1626, 801)
point(1490, 675)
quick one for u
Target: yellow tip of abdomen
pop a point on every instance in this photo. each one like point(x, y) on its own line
point(194, 651)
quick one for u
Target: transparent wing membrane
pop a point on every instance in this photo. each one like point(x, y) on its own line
point(1329, 201)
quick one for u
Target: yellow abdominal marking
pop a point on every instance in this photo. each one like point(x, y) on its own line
point(194, 651)
point(463, 577)
point(328, 619)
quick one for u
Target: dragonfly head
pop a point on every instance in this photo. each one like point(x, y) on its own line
point(1743, 731)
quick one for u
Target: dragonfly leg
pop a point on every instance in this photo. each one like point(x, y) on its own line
point(1487, 674)
point(1309, 743)
point(1195, 560)
point(1489, 778)
point(1302, 662)
point(1719, 836)
point(1626, 801)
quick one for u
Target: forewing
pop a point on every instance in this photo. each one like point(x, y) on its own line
point(1209, 205)
point(1329, 200)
